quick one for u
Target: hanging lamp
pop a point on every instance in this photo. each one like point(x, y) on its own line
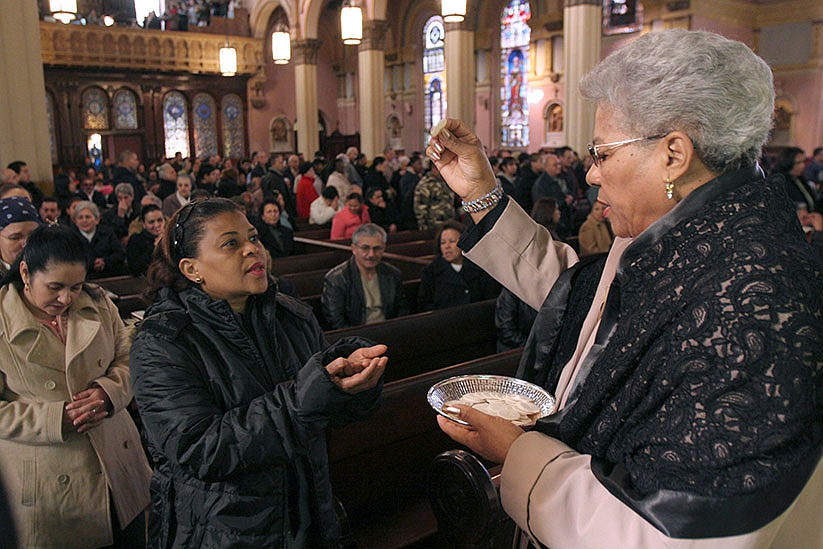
point(281, 45)
point(63, 10)
point(228, 60)
point(351, 23)
point(453, 11)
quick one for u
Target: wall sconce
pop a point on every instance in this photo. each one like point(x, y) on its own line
point(351, 23)
point(63, 10)
point(453, 11)
point(228, 60)
point(281, 45)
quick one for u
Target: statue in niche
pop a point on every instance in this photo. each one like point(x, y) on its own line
point(556, 118)
point(395, 127)
point(280, 135)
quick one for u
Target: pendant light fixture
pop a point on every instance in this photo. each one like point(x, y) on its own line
point(281, 45)
point(228, 60)
point(63, 10)
point(453, 11)
point(351, 23)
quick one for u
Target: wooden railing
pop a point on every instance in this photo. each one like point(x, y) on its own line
point(144, 49)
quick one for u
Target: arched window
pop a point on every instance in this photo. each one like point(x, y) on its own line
point(52, 130)
point(231, 111)
point(125, 110)
point(514, 68)
point(205, 125)
point(434, 73)
point(95, 109)
point(176, 124)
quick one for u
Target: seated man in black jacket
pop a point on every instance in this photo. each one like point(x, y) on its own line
point(363, 290)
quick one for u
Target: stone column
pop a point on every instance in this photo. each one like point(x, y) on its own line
point(371, 97)
point(24, 125)
point(304, 56)
point(460, 71)
point(582, 27)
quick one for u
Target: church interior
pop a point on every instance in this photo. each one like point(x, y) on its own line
point(221, 83)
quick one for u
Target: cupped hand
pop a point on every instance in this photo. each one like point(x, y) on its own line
point(488, 436)
point(364, 355)
point(458, 154)
point(359, 372)
point(87, 409)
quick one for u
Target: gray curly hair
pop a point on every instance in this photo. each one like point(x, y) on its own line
point(715, 90)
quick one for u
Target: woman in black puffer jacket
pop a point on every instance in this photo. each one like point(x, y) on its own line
point(235, 387)
point(451, 280)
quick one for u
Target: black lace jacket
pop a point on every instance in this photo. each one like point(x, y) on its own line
point(701, 399)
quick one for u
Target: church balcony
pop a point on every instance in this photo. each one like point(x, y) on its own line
point(136, 49)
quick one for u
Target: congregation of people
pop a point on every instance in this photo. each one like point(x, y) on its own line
point(222, 351)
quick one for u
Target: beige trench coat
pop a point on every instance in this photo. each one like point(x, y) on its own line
point(59, 483)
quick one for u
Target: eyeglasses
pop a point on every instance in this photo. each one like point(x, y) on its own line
point(365, 248)
point(598, 157)
point(179, 233)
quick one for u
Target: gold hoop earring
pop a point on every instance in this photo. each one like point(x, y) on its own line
point(669, 190)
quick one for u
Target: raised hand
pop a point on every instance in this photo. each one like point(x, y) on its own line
point(458, 154)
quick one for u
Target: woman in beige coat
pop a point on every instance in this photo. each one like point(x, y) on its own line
point(595, 236)
point(70, 454)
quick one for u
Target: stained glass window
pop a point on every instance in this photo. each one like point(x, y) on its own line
point(434, 73)
point(95, 109)
point(205, 125)
point(231, 108)
point(52, 130)
point(514, 68)
point(125, 110)
point(176, 124)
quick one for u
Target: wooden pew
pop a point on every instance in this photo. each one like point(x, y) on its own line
point(379, 466)
point(122, 285)
point(424, 342)
point(295, 264)
point(305, 243)
point(414, 248)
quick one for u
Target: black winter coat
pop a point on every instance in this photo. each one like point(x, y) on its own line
point(104, 244)
point(277, 239)
point(139, 252)
point(442, 287)
point(343, 300)
point(235, 411)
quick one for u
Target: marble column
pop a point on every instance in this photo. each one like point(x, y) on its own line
point(460, 71)
point(582, 27)
point(370, 82)
point(304, 57)
point(24, 126)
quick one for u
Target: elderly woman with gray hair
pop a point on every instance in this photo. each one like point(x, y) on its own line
point(120, 216)
point(687, 363)
point(105, 254)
